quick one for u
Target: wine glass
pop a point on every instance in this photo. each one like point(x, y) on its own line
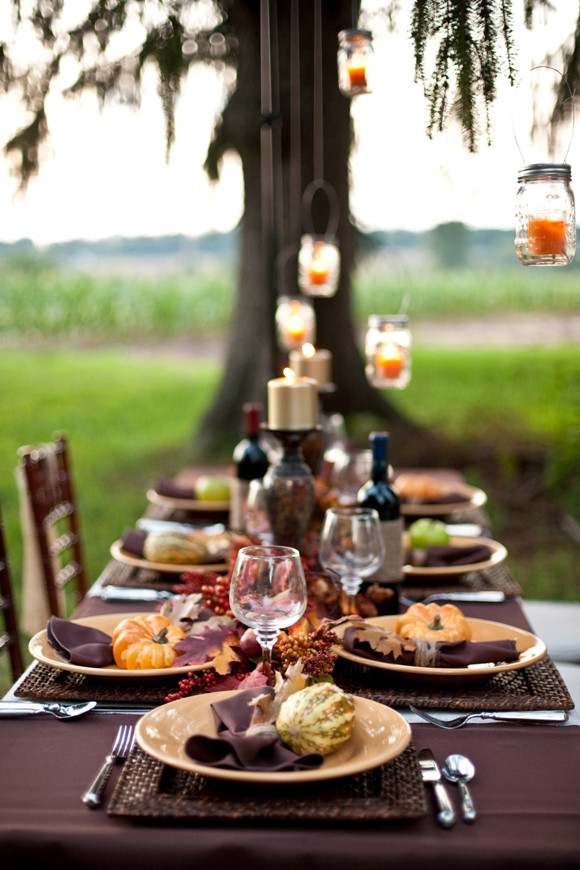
point(267, 593)
point(351, 543)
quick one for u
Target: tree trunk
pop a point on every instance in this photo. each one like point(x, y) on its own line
point(272, 222)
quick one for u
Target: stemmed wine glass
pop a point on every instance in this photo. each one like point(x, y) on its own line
point(268, 592)
point(351, 544)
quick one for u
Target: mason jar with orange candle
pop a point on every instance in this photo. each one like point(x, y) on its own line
point(388, 351)
point(545, 215)
point(355, 62)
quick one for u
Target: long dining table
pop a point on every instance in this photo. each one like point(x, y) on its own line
point(526, 787)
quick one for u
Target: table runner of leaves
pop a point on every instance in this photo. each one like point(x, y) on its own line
point(149, 789)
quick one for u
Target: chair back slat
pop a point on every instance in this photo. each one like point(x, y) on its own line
point(10, 639)
point(50, 489)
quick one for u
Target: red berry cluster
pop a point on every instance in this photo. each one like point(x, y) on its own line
point(214, 588)
point(202, 681)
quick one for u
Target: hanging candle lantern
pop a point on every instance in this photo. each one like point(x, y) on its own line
point(388, 351)
point(295, 322)
point(318, 265)
point(356, 67)
point(545, 215)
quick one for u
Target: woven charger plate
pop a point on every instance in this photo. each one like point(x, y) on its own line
point(538, 687)
point(149, 789)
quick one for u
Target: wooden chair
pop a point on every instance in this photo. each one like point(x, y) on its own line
point(50, 489)
point(10, 637)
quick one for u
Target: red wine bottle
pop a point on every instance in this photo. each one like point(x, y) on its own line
point(377, 493)
point(250, 463)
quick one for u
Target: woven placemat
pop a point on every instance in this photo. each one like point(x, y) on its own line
point(148, 789)
point(537, 687)
point(50, 683)
point(497, 578)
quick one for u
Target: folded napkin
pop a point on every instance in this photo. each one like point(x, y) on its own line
point(166, 486)
point(133, 541)
point(447, 556)
point(378, 644)
point(80, 644)
point(234, 750)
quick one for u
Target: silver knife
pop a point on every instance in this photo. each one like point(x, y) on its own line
point(484, 596)
point(123, 593)
point(431, 774)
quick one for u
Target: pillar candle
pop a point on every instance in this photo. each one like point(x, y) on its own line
point(310, 363)
point(292, 403)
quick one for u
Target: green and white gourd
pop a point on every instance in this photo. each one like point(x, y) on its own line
point(319, 718)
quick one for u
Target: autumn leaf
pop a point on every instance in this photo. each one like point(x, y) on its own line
point(383, 641)
point(228, 655)
point(207, 646)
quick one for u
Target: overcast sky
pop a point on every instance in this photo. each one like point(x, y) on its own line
point(107, 174)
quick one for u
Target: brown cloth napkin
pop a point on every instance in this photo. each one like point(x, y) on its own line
point(133, 541)
point(80, 644)
point(458, 654)
point(447, 556)
point(232, 749)
point(165, 486)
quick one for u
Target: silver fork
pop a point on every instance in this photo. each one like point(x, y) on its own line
point(537, 716)
point(124, 739)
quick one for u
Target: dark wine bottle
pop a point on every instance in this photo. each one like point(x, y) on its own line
point(250, 463)
point(377, 493)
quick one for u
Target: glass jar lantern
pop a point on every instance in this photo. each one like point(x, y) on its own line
point(545, 215)
point(318, 265)
point(356, 67)
point(388, 351)
point(295, 322)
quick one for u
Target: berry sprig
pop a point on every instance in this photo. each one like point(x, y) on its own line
point(198, 682)
point(214, 589)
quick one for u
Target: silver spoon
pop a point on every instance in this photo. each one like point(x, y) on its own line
point(459, 769)
point(12, 709)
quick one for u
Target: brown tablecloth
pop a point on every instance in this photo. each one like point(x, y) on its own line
point(526, 791)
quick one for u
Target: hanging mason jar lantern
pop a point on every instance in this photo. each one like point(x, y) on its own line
point(545, 215)
point(295, 322)
point(319, 254)
point(388, 351)
point(318, 265)
point(356, 66)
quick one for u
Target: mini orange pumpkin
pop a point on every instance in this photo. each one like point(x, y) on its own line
point(146, 642)
point(434, 622)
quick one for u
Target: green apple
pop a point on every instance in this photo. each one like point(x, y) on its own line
point(427, 533)
point(211, 488)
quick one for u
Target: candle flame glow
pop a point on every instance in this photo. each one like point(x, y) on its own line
point(289, 374)
point(308, 349)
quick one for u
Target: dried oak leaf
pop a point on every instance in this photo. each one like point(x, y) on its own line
point(216, 642)
point(383, 641)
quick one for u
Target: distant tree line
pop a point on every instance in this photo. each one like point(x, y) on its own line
point(448, 246)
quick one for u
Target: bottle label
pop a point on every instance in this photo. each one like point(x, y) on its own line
point(238, 503)
point(391, 570)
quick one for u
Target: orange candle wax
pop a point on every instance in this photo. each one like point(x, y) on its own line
point(389, 362)
point(357, 75)
point(318, 274)
point(546, 236)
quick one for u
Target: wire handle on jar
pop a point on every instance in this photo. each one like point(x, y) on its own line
point(570, 99)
